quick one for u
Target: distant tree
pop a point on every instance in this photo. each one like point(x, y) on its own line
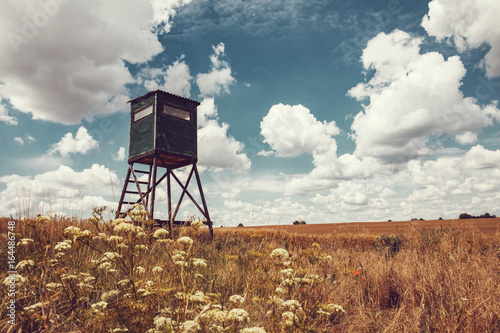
point(296, 222)
point(440, 219)
point(240, 225)
point(389, 220)
point(302, 222)
point(464, 216)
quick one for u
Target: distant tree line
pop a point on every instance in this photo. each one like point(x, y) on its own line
point(299, 222)
point(465, 216)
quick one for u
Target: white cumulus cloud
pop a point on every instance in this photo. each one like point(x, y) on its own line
point(470, 24)
point(64, 60)
point(81, 143)
point(219, 78)
point(293, 130)
point(120, 154)
point(216, 148)
point(175, 78)
point(63, 190)
point(412, 97)
point(4, 116)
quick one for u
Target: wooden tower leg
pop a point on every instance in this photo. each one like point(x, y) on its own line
point(169, 194)
point(205, 208)
point(153, 190)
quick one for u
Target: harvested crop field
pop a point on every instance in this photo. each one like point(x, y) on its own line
point(486, 226)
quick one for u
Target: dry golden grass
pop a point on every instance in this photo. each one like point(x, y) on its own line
point(439, 279)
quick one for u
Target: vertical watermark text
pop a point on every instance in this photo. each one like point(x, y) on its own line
point(11, 271)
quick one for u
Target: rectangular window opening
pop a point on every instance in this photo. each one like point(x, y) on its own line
point(143, 113)
point(176, 112)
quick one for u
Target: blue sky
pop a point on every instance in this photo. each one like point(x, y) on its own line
point(325, 111)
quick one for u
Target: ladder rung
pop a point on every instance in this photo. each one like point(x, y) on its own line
point(140, 182)
point(129, 202)
point(141, 171)
point(131, 192)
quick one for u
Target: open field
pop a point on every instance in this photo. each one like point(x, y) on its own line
point(486, 226)
point(114, 276)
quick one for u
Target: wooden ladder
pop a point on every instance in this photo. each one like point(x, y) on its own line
point(136, 191)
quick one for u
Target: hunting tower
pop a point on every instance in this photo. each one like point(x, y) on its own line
point(163, 134)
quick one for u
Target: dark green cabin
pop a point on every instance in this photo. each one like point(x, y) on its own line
point(163, 125)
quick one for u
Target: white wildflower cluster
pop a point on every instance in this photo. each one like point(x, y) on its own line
point(160, 233)
point(100, 236)
point(198, 297)
point(185, 240)
point(125, 227)
point(72, 231)
point(106, 256)
point(64, 245)
point(69, 277)
point(157, 270)
point(139, 270)
point(324, 256)
point(25, 241)
point(85, 286)
point(216, 315)
point(52, 286)
point(117, 221)
point(83, 235)
point(24, 263)
point(16, 279)
point(293, 306)
point(280, 254)
point(288, 272)
point(254, 329)
point(199, 262)
point(42, 219)
point(141, 247)
point(138, 213)
point(35, 307)
point(179, 257)
point(237, 299)
point(289, 319)
point(123, 283)
point(115, 239)
point(238, 315)
point(111, 296)
point(190, 326)
point(99, 306)
point(163, 324)
point(107, 261)
point(329, 309)
point(143, 292)
point(197, 224)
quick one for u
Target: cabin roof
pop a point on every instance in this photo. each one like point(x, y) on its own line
point(164, 92)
